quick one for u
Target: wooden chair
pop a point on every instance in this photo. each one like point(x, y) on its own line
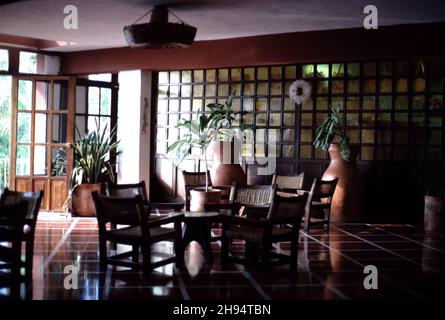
point(248, 200)
point(289, 183)
point(33, 201)
point(287, 211)
point(127, 190)
point(12, 223)
point(318, 207)
point(194, 180)
point(140, 232)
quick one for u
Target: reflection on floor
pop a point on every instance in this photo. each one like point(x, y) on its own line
point(411, 265)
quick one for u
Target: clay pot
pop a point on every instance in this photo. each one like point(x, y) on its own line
point(82, 201)
point(226, 167)
point(433, 219)
point(199, 197)
point(347, 199)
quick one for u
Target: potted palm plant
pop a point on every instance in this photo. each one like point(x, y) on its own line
point(92, 166)
point(226, 167)
point(347, 199)
point(199, 133)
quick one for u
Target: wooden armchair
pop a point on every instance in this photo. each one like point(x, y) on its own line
point(12, 223)
point(288, 183)
point(287, 211)
point(33, 201)
point(140, 232)
point(318, 207)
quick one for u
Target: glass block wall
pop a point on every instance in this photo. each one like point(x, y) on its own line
point(384, 105)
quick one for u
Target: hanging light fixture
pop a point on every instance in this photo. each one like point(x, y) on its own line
point(159, 32)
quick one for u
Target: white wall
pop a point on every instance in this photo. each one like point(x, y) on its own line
point(134, 161)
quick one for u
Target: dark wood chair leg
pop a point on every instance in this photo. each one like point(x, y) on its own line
point(29, 257)
point(103, 254)
point(225, 243)
point(146, 259)
point(178, 245)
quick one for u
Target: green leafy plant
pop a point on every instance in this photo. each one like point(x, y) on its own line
point(92, 157)
point(222, 118)
point(333, 126)
point(58, 163)
point(199, 133)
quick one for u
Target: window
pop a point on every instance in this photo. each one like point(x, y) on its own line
point(100, 77)
point(4, 60)
point(28, 62)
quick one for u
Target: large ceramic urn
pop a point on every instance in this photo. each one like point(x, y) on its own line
point(82, 200)
point(226, 167)
point(348, 195)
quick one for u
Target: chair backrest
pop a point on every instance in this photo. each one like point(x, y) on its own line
point(127, 190)
point(322, 190)
point(287, 209)
point(257, 195)
point(119, 210)
point(289, 183)
point(32, 199)
point(14, 216)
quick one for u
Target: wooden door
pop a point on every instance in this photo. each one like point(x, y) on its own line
point(42, 129)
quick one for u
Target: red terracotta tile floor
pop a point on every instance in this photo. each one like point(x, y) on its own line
point(411, 265)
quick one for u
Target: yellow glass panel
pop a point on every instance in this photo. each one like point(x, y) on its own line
point(352, 119)
point(308, 71)
point(174, 91)
point(211, 75)
point(247, 150)
point(306, 135)
point(185, 91)
point(248, 119)
point(248, 89)
point(273, 135)
point(320, 153)
point(162, 91)
point(174, 77)
point(402, 85)
point(368, 118)
point(353, 69)
point(287, 151)
point(322, 86)
point(402, 102)
point(290, 72)
point(419, 85)
point(275, 119)
point(337, 86)
point(418, 102)
point(322, 70)
point(261, 105)
point(208, 101)
point(305, 152)
point(248, 104)
point(210, 90)
point(337, 102)
point(235, 74)
point(353, 86)
point(236, 89)
point(223, 75)
point(367, 153)
point(353, 103)
point(385, 103)
point(290, 105)
point(353, 135)
point(367, 136)
point(260, 135)
point(262, 73)
point(275, 73)
point(369, 68)
point(198, 90)
point(261, 119)
point(186, 76)
point(163, 77)
point(198, 75)
point(319, 118)
point(249, 74)
point(288, 135)
point(275, 88)
point(260, 150)
point(338, 70)
point(197, 104)
point(262, 88)
point(223, 90)
point(289, 119)
point(369, 86)
point(185, 105)
point(322, 103)
point(236, 105)
point(368, 102)
point(275, 104)
point(306, 119)
point(386, 86)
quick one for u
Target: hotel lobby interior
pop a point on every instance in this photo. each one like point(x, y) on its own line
point(222, 150)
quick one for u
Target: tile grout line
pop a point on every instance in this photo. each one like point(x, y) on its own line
point(336, 291)
point(389, 251)
point(362, 265)
point(406, 238)
point(59, 245)
point(181, 283)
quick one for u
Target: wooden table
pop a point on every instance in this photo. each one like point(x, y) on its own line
point(197, 227)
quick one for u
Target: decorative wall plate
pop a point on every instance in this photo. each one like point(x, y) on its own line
point(300, 91)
